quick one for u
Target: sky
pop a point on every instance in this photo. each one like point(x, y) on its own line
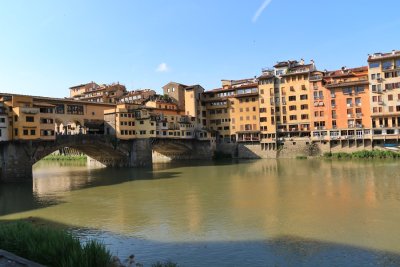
point(47, 46)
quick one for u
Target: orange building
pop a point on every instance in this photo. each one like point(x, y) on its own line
point(349, 102)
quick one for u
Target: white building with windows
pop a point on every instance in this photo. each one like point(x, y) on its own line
point(3, 123)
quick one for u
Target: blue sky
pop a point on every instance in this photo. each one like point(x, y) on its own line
point(48, 46)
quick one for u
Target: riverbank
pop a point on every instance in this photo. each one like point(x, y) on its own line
point(51, 245)
point(65, 157)
point(365, 154)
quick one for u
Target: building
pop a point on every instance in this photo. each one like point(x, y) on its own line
point(129, 121)
point(292, 104)
point(233, 111)
point(36, 117)
point(176, 91)
point(349, 96)
point(98, 93)
point(384, 77)
point(268, 85)
point(137, 96)
point(4, 122)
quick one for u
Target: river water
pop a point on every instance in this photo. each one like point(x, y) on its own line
point(244, 213)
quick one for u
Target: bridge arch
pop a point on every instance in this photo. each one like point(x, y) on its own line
point(100, 148)
point(17, 157)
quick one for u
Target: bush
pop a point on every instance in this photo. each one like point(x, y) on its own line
point(51, 247)
point(65, 157)
point(365, 154)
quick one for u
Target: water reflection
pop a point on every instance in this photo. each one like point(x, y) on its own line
point(352, 203)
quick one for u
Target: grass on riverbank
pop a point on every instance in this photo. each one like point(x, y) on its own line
point(51, 247)
point(365, 154)
point(64, 157)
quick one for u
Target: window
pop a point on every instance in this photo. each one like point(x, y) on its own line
point(292, 108)
point(303, 97)
point(15, 118)
point(59, 109)
point(373, 65)
point(304, 117)
point(46, 110)
point(33, 132)
point(387, 65)
point(303, 107)
point(359, 89)
point(30, 119)
point(347, 91)
point(293, 117)
point(25, 132)
point(397, 63)
point(373, 76)
point(390, 97)
point(292, 98)
point(75, 109)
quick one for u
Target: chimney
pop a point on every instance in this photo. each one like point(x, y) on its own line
point(393, 52)
point(302, 62)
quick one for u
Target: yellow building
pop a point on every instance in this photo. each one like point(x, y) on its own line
point(384, 77)
point(35, 117)
point(129, 121)
point(268, 89)
point(292, 105)
point(233, 111)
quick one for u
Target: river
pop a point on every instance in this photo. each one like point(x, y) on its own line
point(227, 213)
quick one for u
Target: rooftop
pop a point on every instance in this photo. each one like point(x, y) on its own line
point(380, 56)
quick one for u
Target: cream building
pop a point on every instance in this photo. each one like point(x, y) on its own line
point(384, 77)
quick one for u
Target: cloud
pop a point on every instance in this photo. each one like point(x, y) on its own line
point(163, 67)
point(260, 10)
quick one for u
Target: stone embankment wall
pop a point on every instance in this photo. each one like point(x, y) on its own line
point(295, 148)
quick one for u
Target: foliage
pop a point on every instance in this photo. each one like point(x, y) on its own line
point(51, 247)
point(64, 157)
point(365, 154)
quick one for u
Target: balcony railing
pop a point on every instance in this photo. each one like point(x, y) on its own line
point(28, 110)
point(315, 77)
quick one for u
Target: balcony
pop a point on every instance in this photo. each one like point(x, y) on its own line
point(350, 115)
point(381, 103)
point(349, 105)
point(28, 110)
point(333, 96)
point(359, 115)
point(315, 78)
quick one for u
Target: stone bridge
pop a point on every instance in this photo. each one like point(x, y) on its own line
point(17, 157)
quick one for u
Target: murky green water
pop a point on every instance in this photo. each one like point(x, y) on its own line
point(251, 213)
